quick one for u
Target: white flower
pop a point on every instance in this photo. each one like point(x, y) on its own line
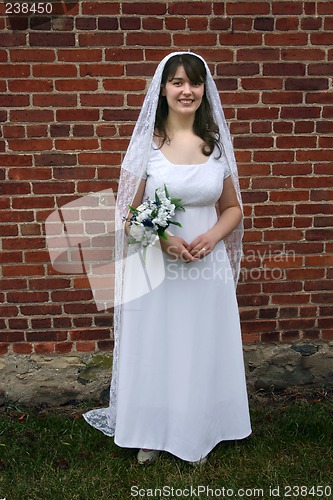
point(137, 231)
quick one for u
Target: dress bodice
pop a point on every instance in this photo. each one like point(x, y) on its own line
point(196, 185)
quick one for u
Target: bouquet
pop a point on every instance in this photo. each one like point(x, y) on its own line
point(151, 219)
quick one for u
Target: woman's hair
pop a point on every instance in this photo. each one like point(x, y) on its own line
point(204, 125)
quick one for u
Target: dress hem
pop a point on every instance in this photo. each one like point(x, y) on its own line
point(169, 450)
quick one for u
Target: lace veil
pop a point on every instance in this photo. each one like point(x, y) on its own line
point(132, 170)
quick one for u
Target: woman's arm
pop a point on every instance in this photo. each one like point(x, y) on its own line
point(136, 202)
point(174, 246)
point(230, 217)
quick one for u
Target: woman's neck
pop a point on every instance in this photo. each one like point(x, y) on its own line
point(175, 124)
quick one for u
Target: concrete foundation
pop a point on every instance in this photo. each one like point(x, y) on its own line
point(56, 380)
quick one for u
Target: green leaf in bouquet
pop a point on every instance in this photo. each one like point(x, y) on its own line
point(158, 201)
point(161, 234)
point(166, 191)
point(175, 223)
point(133, 210)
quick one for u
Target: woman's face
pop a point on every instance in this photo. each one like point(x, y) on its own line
point(183, 96)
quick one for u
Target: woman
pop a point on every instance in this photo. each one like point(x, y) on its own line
point(178, 379)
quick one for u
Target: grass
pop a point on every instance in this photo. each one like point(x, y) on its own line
point(52, 454)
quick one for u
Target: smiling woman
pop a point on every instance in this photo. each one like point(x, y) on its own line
point(180, 384)
point(183, 91)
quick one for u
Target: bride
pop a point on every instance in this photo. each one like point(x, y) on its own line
point(178, 381)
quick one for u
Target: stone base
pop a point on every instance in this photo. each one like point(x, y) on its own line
point(56, 380)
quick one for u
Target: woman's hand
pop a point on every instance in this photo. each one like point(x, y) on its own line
point(202, 245)
point(177, 248)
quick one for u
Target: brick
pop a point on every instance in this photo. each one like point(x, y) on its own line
point(144, 8)
point(54, 187)
point(287, 24)
point(245, 8)
point(90, 334)
point(197, 23)
point(99, 159)
point(300, 112)
point(44, 348)
point(264, 24)
point(75, 144)
point(162, 39)
point(15, 216)
point(219, 24)
point(63, 347)
point(191, 39)
point(282, 98)
point(283, 39)
point(325, 8)
point(29, 145)
point(16, 188)
point(101, 39)
point(256, 54)
point(22, 348)
point(11, 336)
point(130, 84)
point(101, 70)
point(48, 100)
point(14, 101)
point(3, 348)
point(77, 55)
point(51, 39)
point(59, 130)
point(83, 115)
point(102, 100)
point(237, 69)
point(240, 98)
point(152, 23)
point(236, 39)
point(320, 69)
point(85, 346)
point(34, 115)
point(321, 38)
point(319, 234)
point(312, 23)
point(76, 85)
point(287, 8)
point(130, 23)
point(304, 54)
point(284, 69)
point(306, 84)
point(289, 142)
point(107, 23)
point(13, 131)
point(15, 70)
point(16, 160)
point(105, 345)
point(30, 85)
point(85, 23)
point(54, 70)
point(92, 8)
point(253, 142)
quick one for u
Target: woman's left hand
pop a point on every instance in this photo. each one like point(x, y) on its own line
point(202, 245)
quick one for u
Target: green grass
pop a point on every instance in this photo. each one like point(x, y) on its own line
point(51, 454)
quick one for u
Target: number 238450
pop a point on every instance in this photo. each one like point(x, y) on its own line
point(28, 8)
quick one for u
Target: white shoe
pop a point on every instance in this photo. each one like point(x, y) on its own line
point(201, 461)
point(147, 457)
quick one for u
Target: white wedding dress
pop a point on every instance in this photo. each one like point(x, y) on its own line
point(181, 382)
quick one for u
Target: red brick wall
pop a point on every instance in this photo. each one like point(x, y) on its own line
point(71, 89)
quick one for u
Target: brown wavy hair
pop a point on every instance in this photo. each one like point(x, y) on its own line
point(204, 125)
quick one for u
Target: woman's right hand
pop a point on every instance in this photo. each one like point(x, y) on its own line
point(176, 248)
